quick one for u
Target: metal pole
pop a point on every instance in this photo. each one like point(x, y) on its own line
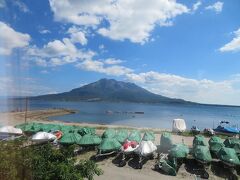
point(26, 106)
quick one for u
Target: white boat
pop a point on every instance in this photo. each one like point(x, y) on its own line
point(42, 137)
point(10, 132)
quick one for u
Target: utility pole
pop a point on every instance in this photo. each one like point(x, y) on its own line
point(26, 108)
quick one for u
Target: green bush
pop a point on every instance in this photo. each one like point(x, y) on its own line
point(42, 162)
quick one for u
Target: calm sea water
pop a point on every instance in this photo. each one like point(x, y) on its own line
point(156, 116)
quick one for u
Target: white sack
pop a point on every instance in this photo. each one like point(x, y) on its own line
point(146, 147)
point(179, 125)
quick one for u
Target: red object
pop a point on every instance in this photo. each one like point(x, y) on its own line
point(58, 134)
point(134, 144)
point(127, 144)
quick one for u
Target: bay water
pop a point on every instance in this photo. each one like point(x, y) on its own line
point(122, 113)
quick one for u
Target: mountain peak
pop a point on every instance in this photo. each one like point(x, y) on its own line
point(110, 90)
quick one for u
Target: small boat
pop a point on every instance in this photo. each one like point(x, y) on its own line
point(109, 112)
point(107, 147)
point(129, 146)
point(43, 137)
point(139, 112)
point(171, 163)
point(226, 130)
point(145, 150)
point(10, 132)
point(208, 131)
point(195, 130)
point(127, 150)
point(203, 157)
point(109, 144)
point(229, 158)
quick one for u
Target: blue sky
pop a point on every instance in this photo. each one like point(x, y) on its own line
point(181, 49)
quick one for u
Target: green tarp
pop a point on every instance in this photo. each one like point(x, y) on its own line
point(215, 144)
point(202, 153)
point(70, 138)
point(166, 142)
point(169, 167)
point(214, 139)
point(89, 139)
point(179, 151)
point(231, 141)
point(121, 135)
point(109, 144)
point(236, 147)
point(85, 130)
point(30, 127)
point(148, 136)
point(215, 147)
point(67, 128)
point(228, 155)
point(199, 140)
point(135, 135)
point(50, 127)
point(34, 127)
point(109, 133)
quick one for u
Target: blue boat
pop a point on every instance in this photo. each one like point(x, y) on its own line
point(226, 129)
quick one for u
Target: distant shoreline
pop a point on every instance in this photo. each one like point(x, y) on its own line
point(150, 103)
point(14, 118)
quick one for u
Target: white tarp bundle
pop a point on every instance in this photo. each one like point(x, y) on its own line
point(146, 148)
point(10, 130)
point(179, 125)
point(43, 137)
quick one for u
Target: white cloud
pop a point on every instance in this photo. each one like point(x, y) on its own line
point(11, 39)
point(112, 61)
point(77, 36)
point(170, 85)
point(57, 48)
point(56, 53)
point(196, 5)
point(233, 45)
point(133, 20)
point(44, 31)
point(102, 48)
point(205, 91)
point(40, 62)
point(59, 62)
point(217, 7)
point(101, 67)
point(60, 52)
point(21, 6)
